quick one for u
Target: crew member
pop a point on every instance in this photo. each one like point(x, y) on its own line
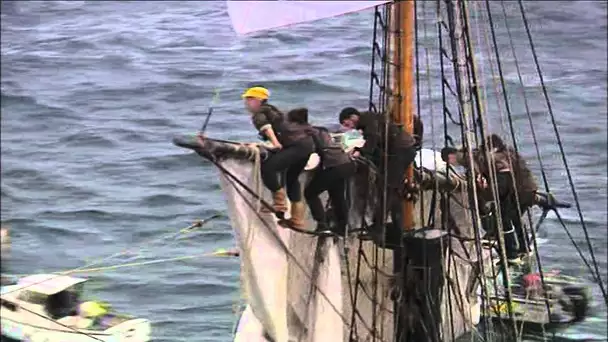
point(500, 155)
point(401, 151)
point(448, 155)
point(90, 313)
point(526, 186)
point(332, 175)
point(292, 148)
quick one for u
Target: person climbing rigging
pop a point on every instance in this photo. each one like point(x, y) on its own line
point(332, 175)
point(448, 155)
point(523, 188)
point(513, 231)
point(526, 187)
point(401, 152)
point(292, 147)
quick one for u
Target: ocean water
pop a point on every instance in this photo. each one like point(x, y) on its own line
point(93, 92)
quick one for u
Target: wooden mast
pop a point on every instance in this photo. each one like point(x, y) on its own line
point(403, 101)
point(401, 108)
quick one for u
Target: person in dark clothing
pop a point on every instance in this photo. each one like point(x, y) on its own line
point(293, 146)
point(400, 152)
point(332, 175)
point(524, 191)
point(448, 155)
point(505, 164)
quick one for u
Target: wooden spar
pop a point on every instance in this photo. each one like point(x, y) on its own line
point(402, 39)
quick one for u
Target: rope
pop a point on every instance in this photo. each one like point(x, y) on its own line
point(219, 252)
point(197, 224)
point(380, 32)
point(562, 152)
point(233, 180)
point(481, 119)
point(491, 167)
point(58, 323)
point(538, 155)
point(113, 267)
point(256, 180)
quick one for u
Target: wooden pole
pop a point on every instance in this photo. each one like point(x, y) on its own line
point(403, 81)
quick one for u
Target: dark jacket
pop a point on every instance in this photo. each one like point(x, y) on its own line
point(524, 178)
point(373, 127)
point(506, 160)
point(502, 161)
point(330, 152)
point(287, 132)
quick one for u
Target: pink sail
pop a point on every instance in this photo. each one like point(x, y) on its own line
point(253, 16)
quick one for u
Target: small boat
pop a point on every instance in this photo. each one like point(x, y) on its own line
point(568, 299)
point(48, 308)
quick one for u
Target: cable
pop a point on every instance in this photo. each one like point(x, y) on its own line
point(197, 224)
point(61, 324)
point(562, 152)
point(233, 180)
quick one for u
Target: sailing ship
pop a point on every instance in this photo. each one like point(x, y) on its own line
point(436, 283)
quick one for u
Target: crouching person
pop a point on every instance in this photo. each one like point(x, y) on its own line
point(292, 148)
point(332, 175)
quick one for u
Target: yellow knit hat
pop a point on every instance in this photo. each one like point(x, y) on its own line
point(257, 92)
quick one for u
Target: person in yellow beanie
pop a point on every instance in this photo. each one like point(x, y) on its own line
point(292, 148)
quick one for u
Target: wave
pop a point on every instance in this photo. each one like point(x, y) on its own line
point(33, 107)
point(173, 162)
point(301, 85)
point(86, 139)
point(161, 200)
point(132, 136)
point(95, 215)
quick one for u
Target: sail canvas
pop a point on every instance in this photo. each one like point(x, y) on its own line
point(253, 16)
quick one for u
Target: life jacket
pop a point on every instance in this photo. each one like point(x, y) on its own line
point(330, 153)
point(92, 309)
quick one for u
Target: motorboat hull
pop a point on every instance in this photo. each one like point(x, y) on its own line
point(19, 331)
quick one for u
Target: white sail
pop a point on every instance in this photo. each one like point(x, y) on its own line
point(268, 264)
point(263, 259)
point(253, 16)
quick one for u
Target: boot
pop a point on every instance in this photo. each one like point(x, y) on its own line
point(279, 202)
point(297, 215)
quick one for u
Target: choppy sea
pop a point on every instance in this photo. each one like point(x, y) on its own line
point(94, 91)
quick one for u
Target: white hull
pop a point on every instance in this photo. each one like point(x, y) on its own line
point(47, 308)
point(34, 333)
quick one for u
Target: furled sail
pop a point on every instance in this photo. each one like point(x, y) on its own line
point(292, 282)
point(252, 16)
